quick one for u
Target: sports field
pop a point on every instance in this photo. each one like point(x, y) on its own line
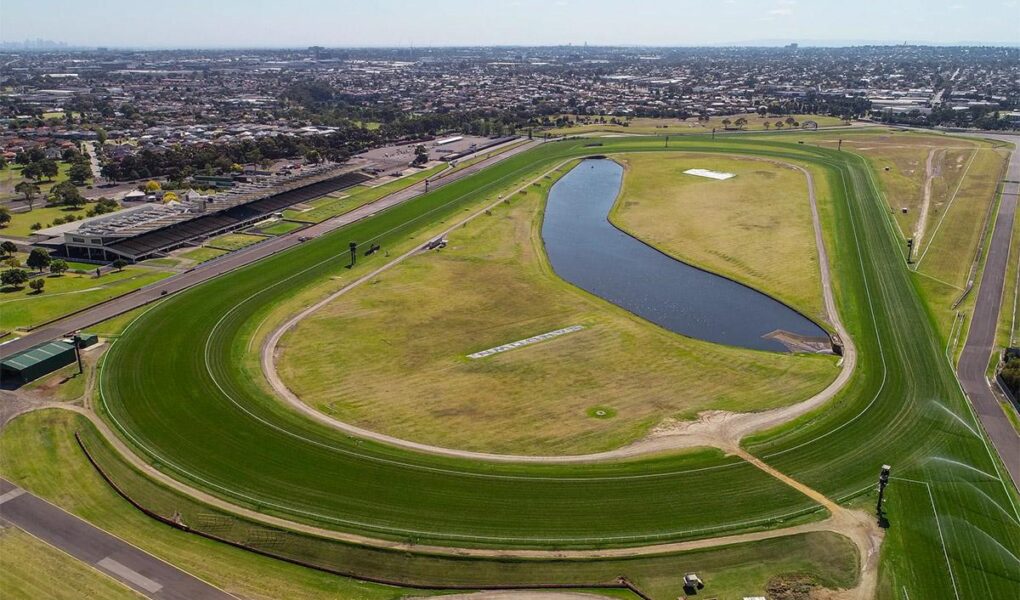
point(391, 356)
point(218, 430)
point(754, 227)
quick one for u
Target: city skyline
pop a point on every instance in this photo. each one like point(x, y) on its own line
point(445, 23)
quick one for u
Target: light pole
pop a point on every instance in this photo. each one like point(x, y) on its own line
point(883, 480)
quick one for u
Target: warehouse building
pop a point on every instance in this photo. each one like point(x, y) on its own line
point(35, 362)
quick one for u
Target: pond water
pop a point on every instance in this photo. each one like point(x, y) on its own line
point(588, 251)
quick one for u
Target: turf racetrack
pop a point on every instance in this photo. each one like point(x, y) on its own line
point(173, 386)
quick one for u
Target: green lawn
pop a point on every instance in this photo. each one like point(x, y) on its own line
point(202, 254)
point(755, 227)
point(330, 206)
point(10, 176)
point(184, 414)
point(21, 222)
point(391, 356)
point(280, 227)
point(66, 294)
point(234, 241)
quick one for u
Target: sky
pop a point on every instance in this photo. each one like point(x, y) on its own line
point(346, 23)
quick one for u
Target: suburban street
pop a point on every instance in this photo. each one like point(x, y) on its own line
point(234, 260)
point(132, 566)
point(981, 340)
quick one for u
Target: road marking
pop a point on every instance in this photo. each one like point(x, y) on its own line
point(11, 495)
point(130, 575)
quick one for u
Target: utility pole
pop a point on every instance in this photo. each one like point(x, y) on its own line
point(667, 141)
point(839, 145)
point(426, 186)
point(354, 254)
point(713, 134)
point(910, 250)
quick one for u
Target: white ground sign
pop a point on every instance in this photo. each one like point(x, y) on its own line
point(526, 342)
point(710, 174)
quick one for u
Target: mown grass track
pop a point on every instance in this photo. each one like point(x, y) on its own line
point(173, 387)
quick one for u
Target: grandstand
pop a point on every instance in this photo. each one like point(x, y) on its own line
point(158, 228)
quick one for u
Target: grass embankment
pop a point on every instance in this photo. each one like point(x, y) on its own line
point(671, 127)
point(755, 228)
point(894, 411)
point(29, 568)
point(68, 293)
point(390, 356)
point(61, 473)
point(344, 201)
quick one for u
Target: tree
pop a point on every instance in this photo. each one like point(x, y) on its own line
point(67, 194)
point(14, 277)
point(49, 168)
point(767, 124)
point(37, 284)
point(741, 122)
point(421, 155)
point(29, 190)
point(152, 186)
point(119, 264)
point(39, 259)
point(779, 124)
point(5, 216)
point(32, 171)
point(8, 248)
point(79, 172)
point(790, 121)
point(169, 197)
point(726, 123)
point(313, 156)
point(58, 267)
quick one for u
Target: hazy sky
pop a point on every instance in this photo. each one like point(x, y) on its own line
point(300, 23)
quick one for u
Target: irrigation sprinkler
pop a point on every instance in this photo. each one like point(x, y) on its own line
point(883, 480)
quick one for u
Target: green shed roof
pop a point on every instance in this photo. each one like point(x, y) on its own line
point(33, 356)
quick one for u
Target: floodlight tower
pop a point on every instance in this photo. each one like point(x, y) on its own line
point(883, 480)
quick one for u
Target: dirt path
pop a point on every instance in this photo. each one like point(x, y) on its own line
point(931, 171)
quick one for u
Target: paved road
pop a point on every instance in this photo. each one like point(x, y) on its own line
point(135, 568)
point(981, 340)
point(234, 260)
